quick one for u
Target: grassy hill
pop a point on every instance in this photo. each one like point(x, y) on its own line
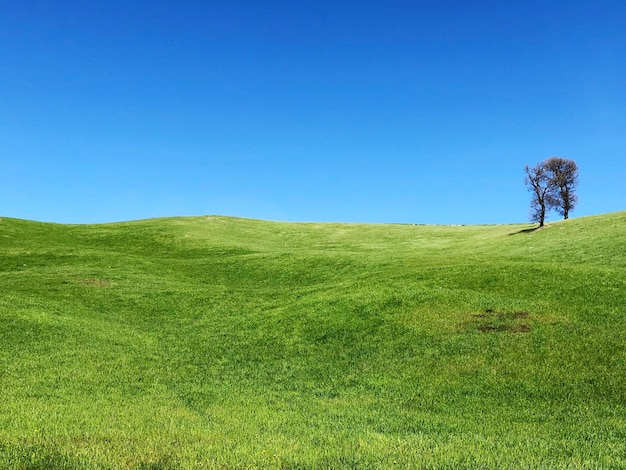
point(215, 342)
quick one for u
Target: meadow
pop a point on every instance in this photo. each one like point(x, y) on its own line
point(223, 343)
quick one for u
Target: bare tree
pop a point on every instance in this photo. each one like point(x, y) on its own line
point(563, 175)
point(538, 183)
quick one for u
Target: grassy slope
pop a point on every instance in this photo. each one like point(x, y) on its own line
point(231, 343)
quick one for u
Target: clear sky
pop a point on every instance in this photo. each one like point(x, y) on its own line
point(421, 111)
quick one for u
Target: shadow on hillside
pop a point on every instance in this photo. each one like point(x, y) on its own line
point(526, 230)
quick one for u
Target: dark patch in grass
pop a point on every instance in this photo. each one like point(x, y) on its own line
point(522, 329)
point(491, 321)
point(493, 328)
point(96, 282)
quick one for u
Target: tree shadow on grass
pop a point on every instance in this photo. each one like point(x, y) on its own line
point(526, 230)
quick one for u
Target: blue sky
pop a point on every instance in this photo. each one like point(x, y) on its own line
point(350, 111)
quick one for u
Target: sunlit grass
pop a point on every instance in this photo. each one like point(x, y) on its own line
point(214, 342)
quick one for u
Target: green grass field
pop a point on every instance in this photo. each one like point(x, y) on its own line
point(214, 342)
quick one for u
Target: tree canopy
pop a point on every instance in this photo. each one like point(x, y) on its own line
point(552, 184)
